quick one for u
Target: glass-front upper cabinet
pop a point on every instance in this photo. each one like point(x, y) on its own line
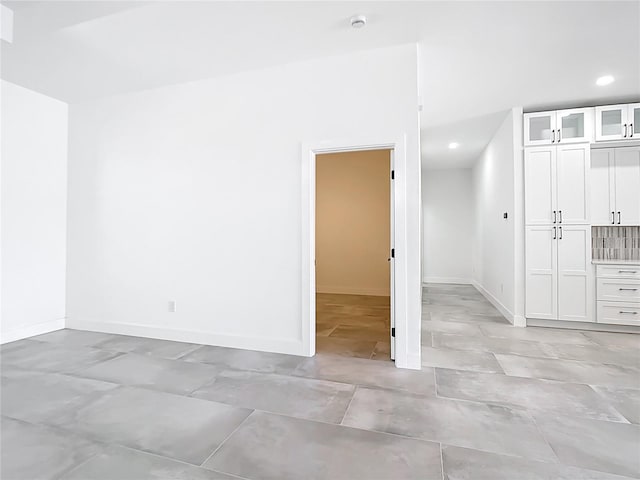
point(558, 127)
point(618, 122)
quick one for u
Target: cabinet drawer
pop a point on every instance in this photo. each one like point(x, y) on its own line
point(619, 313)
point(618, 271)
point(616, 290)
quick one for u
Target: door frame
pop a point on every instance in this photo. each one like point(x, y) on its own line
point(398, 231)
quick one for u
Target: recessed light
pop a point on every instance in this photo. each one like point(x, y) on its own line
point(606, 80)
point(358, 21)
point(454, 145)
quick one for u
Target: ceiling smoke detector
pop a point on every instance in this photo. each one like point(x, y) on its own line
point(358, 21)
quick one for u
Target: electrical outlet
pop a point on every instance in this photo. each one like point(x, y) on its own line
point(171, 306)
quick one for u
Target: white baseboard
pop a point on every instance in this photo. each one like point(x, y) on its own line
point(32, 330)
point(506, 313)
point(375, 292)
point(452, 280)
point(593, 326)
point(413, 363)
point(275, 345)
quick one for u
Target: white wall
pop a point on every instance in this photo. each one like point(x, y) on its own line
point(192, 193)
point(33, 206)
point(497, 179)
point(447, 206)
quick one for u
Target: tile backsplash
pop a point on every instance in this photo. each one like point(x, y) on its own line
point(615, 243)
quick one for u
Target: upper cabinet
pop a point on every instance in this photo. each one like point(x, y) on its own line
point(558, 127)
point(618, 122)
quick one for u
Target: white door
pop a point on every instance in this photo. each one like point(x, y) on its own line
point(539, 128)
point(540, 180)
point(602, 187)
point(611, 122)
point(572, 174)
point(574, 125)
point(633, 119)
point(575, 283)
point(392, 260)
point(541, 267)
point(627, 185)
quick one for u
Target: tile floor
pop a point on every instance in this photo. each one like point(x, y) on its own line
point(491, 402)
point(353, 325)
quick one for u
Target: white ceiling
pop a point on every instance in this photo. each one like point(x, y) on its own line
point(478, 59)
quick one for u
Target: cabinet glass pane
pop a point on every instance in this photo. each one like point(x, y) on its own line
point(636, 119)
point(540, 128)
point(611, 122)
point(573, 125)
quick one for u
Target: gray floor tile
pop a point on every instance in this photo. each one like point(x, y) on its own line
point(624, 400)
point(39, 397)
point(631, 340)
point(593, 444)
point(615, 355)
point(467, 464)
point(570, 371)
point(473, 318)
point(451, 327)
point(475, 361)
point(537, 334)
point(299, 397)
point(269, 446)
point(492, 428)
point(367, 372)
point(545, 396)
point(183, 428)
point(245, 359)
point(34, 452)
point(50, 357)
point(480, 343)
point(74, 338)
point(172, 376)
point(120, 463)
point(148, 346)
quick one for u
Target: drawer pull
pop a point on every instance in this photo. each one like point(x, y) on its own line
point(627, 271)
point(628, 313)
point(628, 289)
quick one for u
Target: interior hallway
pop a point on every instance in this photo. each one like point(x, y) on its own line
point(353, 325)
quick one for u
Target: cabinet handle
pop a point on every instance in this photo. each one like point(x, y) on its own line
point(553, 136)
point(628, 313)
point(625, 130)
point(613, 218)
point(560, 213)
point(628, 289)
point(630, 130)
point(560, 229)
point(559, 136)
point(554, 216)
point(554, 233)
point(619, 218)
point(627, 271)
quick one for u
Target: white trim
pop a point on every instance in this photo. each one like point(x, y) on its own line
point(401, 280)
point(451, 280)
point(374, 292)
point(592, 326)
point(32, 330)
point(277, 345)
point(495, 302)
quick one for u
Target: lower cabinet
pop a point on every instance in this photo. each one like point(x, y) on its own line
point(618, 294)
point(559, 283)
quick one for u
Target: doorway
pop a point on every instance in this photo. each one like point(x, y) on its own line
point(353, 253)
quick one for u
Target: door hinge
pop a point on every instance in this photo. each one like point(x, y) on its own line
point(393, 331)
point(393, 253)
point(393, 174)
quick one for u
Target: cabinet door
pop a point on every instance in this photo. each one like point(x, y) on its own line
point(539, 188)
point(633, 121)
point(602, 187)
point(572, 173)
point(541, 299)
point(610, 122)
point(539, 128)
point(627, 185)
point(575, 277)
point(574, 126)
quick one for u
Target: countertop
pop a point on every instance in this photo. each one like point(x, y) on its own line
point(615, 262)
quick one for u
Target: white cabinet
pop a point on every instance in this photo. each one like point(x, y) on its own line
point(615, 186)
point(559, 283)
point(558, 127)
point(617, 122)
point(618, 294)
point(557, 185)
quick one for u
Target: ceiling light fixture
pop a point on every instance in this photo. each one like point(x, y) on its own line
point(358, 21)
point(606, 80)
point(454, 145)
